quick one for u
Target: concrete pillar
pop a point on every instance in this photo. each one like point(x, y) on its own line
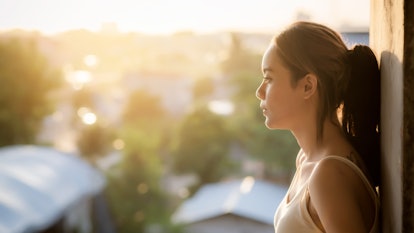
point(392, 39)
point(408, 141)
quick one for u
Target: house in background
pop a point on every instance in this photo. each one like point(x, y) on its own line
point(237, 206)
point(46, 190)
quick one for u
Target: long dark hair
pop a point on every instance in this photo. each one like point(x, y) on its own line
point(361, 107)
point(348, 80)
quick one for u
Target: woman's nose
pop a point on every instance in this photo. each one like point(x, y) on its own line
point(259, 92)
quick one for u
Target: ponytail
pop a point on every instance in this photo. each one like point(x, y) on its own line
point(361, 108)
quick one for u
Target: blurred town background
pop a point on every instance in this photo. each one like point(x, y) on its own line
point(169, 122)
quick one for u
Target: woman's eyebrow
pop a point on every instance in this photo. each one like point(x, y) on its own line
point(267, 69)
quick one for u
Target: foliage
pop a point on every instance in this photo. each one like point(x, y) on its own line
point(134, 192)
point(202, 146)
point(144, 107)
point(95, 140)
point(27, 80)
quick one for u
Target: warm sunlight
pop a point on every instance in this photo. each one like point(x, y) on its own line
point(164, 16)
point(221, 107)
point(88, 117)
point(159, 97)
point(78, 78)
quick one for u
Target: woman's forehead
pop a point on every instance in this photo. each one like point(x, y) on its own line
point(270, 58)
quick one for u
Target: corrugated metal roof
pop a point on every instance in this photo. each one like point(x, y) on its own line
point(38, 184)
point(249, 198)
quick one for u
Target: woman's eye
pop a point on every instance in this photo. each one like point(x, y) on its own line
point(267, 79)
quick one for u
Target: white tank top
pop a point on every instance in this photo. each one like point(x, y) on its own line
point(294, 217)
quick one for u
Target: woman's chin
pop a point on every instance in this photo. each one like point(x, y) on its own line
point(269, 125)
point(272, 125)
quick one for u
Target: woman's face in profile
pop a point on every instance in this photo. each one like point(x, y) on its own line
point(279, 100)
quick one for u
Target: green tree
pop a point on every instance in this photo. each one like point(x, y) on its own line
point(144, 107)
point(134, 192)
point(133, 186)
point(27, 80)
point(202, 146)
point(95, 141)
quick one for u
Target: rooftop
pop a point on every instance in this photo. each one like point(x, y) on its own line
point(249, 198)
point(39, 184)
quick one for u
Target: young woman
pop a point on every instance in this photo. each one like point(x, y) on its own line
point(328, 97)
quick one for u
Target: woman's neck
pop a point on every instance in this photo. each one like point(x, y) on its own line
point(313, 147)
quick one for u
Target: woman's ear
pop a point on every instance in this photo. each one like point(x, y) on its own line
point(309, 85)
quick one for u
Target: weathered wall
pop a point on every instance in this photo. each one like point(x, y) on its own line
point(392, 38)
point(408, 142)
point(387, 41)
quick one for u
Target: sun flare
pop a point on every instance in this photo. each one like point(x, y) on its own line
point(164, 16)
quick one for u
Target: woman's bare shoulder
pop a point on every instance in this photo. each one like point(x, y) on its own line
point(334, 186)
point(337, 174)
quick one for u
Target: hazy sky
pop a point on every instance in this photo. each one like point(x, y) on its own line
point(166, 16)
